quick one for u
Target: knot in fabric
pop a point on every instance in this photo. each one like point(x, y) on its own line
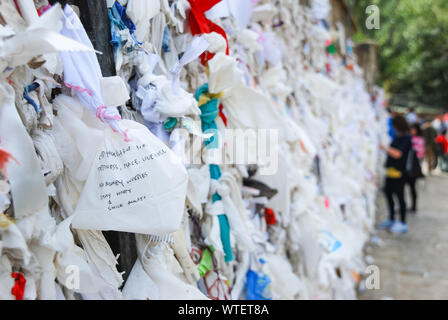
point(101, 113)
point(208, 104)
point(219, 188)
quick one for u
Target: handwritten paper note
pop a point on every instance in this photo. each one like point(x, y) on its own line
point(117, 188)
point(137, 187)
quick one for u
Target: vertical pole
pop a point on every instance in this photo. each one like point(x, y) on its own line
point(94, 17)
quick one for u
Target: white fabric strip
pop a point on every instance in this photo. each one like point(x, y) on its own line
point(28, 188)
point(197, 47)
point(28, 10)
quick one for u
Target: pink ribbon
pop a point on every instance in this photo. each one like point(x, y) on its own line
point(100, 111)
point(101, 114)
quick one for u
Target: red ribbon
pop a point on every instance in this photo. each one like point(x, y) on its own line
point(269, 215)
point(199, 24)
point(222, 114)
point(19, 285)
point(326, 203)
point(43, 9)
point(17, 7)
point(5, 156)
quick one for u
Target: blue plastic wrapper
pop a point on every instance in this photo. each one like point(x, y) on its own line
point(257, 286)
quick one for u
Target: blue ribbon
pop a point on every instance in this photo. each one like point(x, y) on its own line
point(29, 89)
point(124, 17)
point(166, 40)
point(120, 20)
point(209, 113)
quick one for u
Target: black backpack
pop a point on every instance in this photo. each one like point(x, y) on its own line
point(413, 168)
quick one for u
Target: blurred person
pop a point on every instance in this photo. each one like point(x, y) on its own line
point(412, 117)
point(418, 145)
point(391, 130)
point(430, 135)
point(396, 174)
point(442, 143)
point(418, 142)
point(437, 124)
point(445, 121)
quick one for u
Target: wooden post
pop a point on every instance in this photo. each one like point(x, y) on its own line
point(94, 17)
point(366, 55)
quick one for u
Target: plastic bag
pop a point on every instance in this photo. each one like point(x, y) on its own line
point(257, 286)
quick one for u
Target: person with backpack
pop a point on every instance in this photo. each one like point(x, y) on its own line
point(414, 164)
point(396, 175)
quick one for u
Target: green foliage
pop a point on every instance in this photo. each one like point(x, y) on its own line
point(412, 49)
point(359, 37)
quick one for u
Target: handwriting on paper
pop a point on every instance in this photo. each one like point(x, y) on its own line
point(120, 182)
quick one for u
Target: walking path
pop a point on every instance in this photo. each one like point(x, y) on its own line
point(414, 265)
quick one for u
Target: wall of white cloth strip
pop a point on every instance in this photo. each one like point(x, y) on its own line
point(237, 141)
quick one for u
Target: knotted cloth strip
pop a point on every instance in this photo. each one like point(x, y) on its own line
point(209, 107)
point(199, 24)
